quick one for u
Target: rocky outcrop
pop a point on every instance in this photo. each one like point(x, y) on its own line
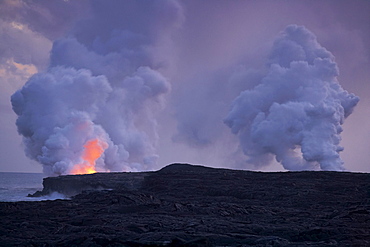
point(184, 205)
point(72, 185)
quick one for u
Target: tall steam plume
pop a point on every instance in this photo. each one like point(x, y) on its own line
point(92, 110)
point(297, 110)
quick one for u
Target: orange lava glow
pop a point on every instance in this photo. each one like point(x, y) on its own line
point(93, 150)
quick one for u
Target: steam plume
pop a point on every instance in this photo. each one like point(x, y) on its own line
point(94, 106)
point(297, 110)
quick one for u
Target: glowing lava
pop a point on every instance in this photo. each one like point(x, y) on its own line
point(93, 150)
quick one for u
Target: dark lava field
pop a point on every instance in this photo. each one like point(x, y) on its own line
point(186, 205)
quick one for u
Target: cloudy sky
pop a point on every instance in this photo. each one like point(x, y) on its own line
point(155, 82)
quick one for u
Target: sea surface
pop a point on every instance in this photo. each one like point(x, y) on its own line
point(16, 186)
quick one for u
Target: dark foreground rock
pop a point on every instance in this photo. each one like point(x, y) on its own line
point(183, 205)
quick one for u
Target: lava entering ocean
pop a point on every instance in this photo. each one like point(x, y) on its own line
point(93, 149)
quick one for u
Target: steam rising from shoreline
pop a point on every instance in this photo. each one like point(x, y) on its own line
point(102, 87)
point(94, 105)
point(297, 110)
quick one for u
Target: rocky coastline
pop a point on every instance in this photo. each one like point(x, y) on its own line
point(187, 205)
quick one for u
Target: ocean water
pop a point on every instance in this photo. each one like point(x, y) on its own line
point(16, 186)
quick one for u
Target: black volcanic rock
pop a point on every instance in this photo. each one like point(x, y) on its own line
point(185, 205)
point(72, 185)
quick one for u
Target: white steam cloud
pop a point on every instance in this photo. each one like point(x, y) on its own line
point(297, 110)
point(102, 85)
point(106, 81)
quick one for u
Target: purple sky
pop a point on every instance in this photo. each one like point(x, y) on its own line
point(202, 48)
